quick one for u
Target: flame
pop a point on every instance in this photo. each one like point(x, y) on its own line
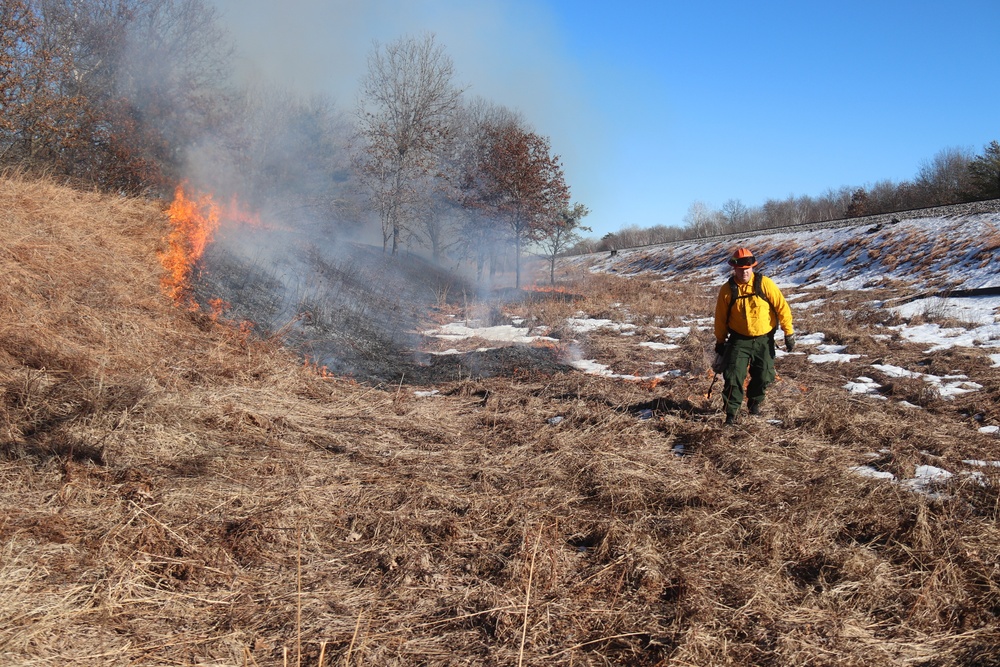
point(194, 220)
point(313, 366)
point(548, 344)
point(650, 384)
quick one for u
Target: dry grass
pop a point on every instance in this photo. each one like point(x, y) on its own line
point(174, 493)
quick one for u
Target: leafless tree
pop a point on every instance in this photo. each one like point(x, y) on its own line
point(736, 215)
point(175, 69)
point(944, 176)
point(700, 220)
point(407, 101)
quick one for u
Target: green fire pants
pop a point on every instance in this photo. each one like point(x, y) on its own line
point(743, 354)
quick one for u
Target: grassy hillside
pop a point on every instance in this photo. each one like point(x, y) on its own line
point(174, 492)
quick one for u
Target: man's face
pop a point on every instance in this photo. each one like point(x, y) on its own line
point(742, 274)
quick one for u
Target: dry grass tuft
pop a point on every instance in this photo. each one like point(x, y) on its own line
point(175, 492)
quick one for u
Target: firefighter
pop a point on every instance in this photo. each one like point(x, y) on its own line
point(748, 312)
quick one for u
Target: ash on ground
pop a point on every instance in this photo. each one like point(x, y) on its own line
point(430, 369)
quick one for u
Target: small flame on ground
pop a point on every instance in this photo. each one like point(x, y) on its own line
point(651, 383)
point(314, 367)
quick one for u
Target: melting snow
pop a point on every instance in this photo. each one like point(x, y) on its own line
point(977, 310)
point(814, 338)
point(829, 358)
point(586, 325)
point(926, 478)
point(868, 471)
point(864, 385)
point(426, 394)
point(660, 346)
point(948, 386)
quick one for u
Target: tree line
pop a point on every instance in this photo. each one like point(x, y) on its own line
point(952, 176)
point(136, 96)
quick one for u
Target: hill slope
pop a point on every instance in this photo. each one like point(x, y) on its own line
point(175, 492)
point(946, 248)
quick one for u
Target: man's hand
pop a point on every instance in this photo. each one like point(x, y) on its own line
point(789, 343)
point(720, 348)
point(719, 364)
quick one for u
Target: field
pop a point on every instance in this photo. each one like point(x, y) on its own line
point(176, 491)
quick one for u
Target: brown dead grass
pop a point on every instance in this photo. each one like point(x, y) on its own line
point(174, 493)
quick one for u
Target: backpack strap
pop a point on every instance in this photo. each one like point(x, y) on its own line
point(734, 294)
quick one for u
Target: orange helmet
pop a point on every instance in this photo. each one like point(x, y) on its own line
point(742, 258)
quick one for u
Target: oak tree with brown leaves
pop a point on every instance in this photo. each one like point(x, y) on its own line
point(520, 183)
point(39, 114)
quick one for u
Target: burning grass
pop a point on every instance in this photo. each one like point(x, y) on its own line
point(174, 492)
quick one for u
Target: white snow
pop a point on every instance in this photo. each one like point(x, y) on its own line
point(863, 385)
point(832, 357)
point(868, 471)
point(659, 347)
point(947, 386)
point(586, 325)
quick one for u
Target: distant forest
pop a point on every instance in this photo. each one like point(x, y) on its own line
point(953, 176)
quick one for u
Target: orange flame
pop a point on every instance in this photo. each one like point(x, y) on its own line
point(649, 384)
point(194, 221)
point(548, 344)
point(313, 366)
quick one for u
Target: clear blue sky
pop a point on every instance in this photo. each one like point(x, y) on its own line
point(656, 105)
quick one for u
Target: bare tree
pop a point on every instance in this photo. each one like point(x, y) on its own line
point(830, 205)
point(664, 233)
point(172, 79)
point(700, 220)
point(283, 153)
point(407, 100)
point(736, 215)
point(943, 177)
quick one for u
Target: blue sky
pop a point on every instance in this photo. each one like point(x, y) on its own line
point(656, 105)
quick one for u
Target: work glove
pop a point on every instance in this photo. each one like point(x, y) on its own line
point(720, 348)
point(718, 364)
point(790, 342)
